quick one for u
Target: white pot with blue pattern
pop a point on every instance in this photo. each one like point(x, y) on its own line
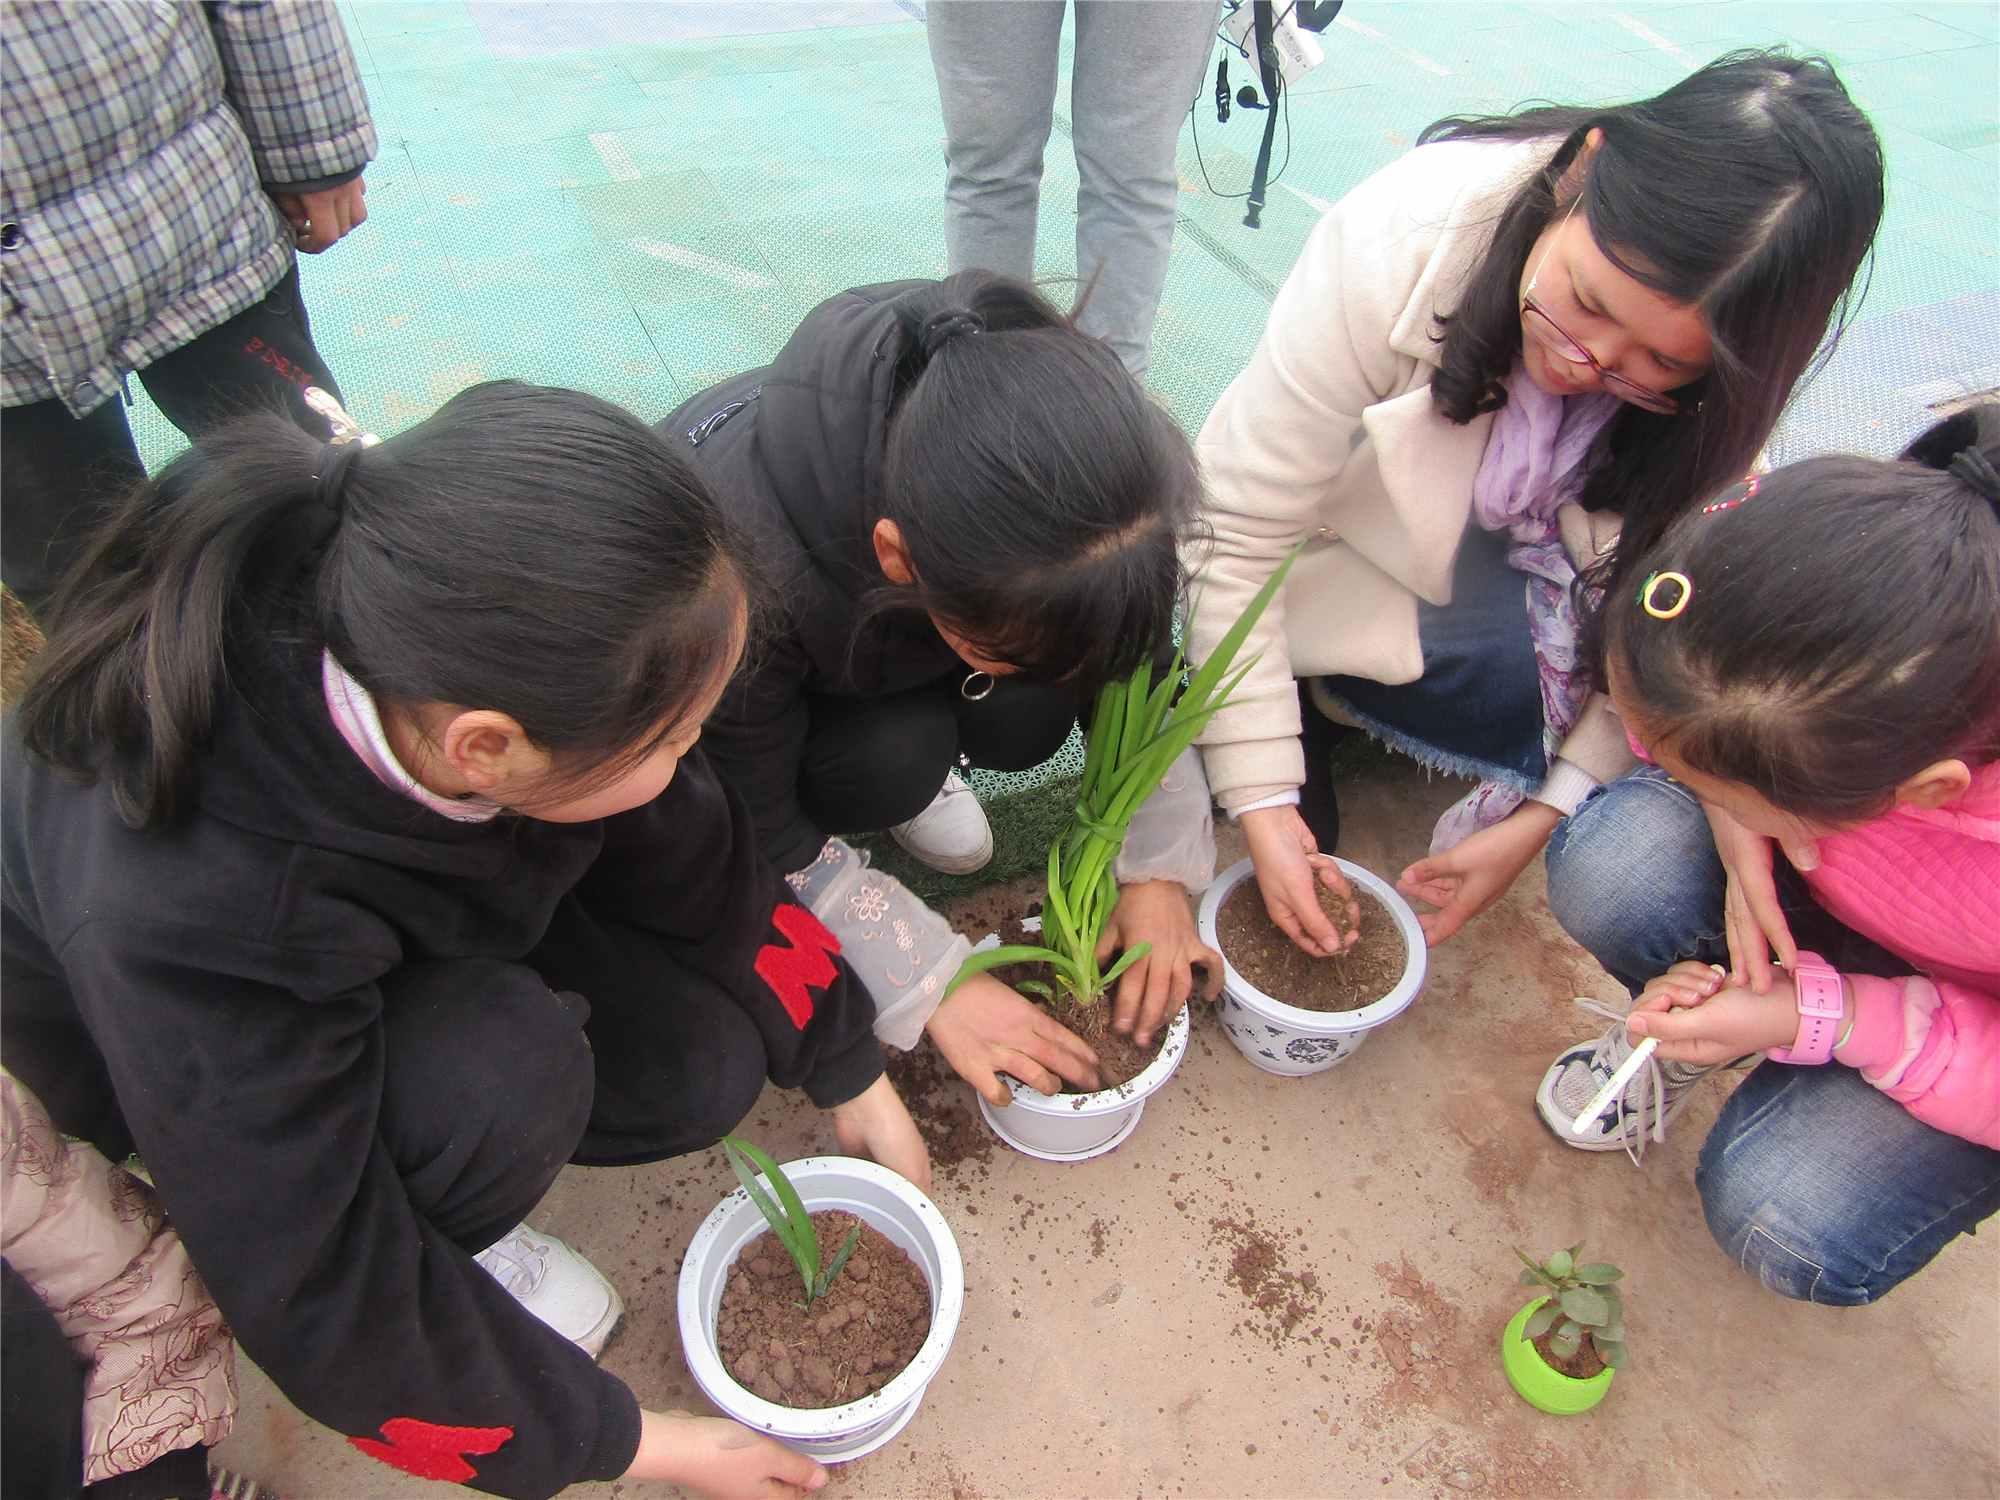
point(1286, 1039)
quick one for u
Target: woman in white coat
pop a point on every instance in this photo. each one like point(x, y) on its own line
point(1497, 372)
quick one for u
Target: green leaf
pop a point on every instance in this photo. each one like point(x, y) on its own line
point(1560, 1264)
point(1534, 1278)
point(1563, 1347)
point(1201, 686)
point(792, 1225)
point(1541, 1276)
point(993, 958)
point(1611, 1351)
point(1056, 909)
point(1598, 1274)
point(1036, 987)
point(1586, 1305)
point(1540, 1321)
point(1614, 1331)
point(1125, 961)
point(838, 1263)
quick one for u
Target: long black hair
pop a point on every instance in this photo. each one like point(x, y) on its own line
point(1041, 494)
point(1842, 629)
point(530, 550)
point(1750, 190)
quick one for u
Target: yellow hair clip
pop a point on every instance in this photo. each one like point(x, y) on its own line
point(1649, 592)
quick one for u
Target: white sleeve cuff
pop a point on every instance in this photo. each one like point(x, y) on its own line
point(1276, 799)
point(1566, 787)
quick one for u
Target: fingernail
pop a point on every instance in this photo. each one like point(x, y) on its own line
point(1636, 1025)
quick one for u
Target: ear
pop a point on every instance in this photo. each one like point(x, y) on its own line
point(490, 752)
point(1937, 785)
point(891, 556)
point(1578, 171)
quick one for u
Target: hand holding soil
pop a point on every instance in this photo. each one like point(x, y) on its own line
point(875, 1124)
point(1154, 989)
point(984, 1029)
point(1292, 874)
point(1368, 967)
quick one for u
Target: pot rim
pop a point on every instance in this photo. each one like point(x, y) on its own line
point(813, 1423)
point(1134, 1090)
point(1588, 1391)
point(1416, 958)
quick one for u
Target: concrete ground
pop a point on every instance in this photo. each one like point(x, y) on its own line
point(1294, 1287)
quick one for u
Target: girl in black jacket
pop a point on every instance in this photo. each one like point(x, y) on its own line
point(361, 870)
point(972, 516)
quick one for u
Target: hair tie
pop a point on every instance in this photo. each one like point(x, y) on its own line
point(941, 328)
point(1669, 608)
point(1732, 497)
point(1977, 470)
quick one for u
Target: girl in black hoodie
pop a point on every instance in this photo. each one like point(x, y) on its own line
point(361, 870)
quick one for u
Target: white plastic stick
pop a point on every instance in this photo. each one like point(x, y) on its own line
point(1614, 1086)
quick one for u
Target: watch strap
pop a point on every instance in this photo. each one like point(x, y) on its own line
point(1822, 1003)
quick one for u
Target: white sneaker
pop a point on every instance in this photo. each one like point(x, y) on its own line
point(1655, 1094)
point(555, 1284)
point(952, 835)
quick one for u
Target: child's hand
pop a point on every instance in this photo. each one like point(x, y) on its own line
point(875, 1124)
point(1281, 849)
point(1701, 1018)
point(1466, 879)
point(720, 1459)
point(1752, 918)
point(1158, 985)
point(986, 1029)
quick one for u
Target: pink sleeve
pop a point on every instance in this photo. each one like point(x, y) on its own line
point(1932, 1047)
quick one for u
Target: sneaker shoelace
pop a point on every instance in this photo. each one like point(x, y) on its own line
point(516, 1262)
point(1649, 1091)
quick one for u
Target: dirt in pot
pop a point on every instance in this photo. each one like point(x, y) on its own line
point(1262, 953)
point(1579, 1366)
point(1119, 1058)
point(848, 1344)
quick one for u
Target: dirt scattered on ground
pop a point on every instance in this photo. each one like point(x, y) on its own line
point(1283, 1300)
point(1098, 1235)
point(942, 1105)
point(1420, 1343)
point(848, 1344)
point(1281, 969)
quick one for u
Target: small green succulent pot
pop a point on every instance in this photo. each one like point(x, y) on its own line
point(1541, 1387)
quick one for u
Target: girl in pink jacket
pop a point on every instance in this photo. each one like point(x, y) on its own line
point(1812, 664)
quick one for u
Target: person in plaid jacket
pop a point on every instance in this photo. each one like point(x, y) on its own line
point(162, 163)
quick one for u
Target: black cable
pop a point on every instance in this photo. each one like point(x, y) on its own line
point(1194, 124)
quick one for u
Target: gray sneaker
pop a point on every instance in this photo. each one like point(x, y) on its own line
point(1655, 1094)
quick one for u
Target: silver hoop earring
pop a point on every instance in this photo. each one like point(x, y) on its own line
point(976, 686)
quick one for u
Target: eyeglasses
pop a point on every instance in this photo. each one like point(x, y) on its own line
point(1552, 336)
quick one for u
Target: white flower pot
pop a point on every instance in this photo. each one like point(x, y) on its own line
point(906, 1218)
point(1075, 1127)
point(1286, 1039)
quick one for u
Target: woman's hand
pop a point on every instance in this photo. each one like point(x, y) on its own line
point(1466, 879)
point(1285, 855)
point(1158, 985)
point(876, 1124)
point(985, 1029)
point(1752, 918)
point(1700, 1017)
point(720, 1459)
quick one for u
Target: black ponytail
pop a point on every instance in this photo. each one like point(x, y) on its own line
point(1041, 494)
point(526, 549)
point(1842, 631)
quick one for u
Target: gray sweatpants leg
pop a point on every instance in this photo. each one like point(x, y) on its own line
point(1138, 65)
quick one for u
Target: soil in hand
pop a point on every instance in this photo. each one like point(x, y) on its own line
point(1119, 1058)
point(1579, 1366)
point(849, 1344)
point(940, 1102)
point(1262, 954)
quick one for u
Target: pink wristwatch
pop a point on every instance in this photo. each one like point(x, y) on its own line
point(1822, 1002)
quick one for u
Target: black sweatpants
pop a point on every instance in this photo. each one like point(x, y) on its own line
point(603, 1049)
point(59, 473)
point(873, 762)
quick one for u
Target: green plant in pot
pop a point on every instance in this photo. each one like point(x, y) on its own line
point(1138, 728)
point(1562, 1349)
point(791, 1225)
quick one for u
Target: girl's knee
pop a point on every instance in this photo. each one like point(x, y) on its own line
point(1791, 1242)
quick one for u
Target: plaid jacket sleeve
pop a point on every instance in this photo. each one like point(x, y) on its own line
point(292, 79)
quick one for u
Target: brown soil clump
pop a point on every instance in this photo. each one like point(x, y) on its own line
point(849, 1344)
point(1283, 1298)
point(941, 1104)
point(1281, 969)
point(1581, 1365)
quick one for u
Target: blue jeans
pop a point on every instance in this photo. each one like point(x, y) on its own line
point(1819, 1185)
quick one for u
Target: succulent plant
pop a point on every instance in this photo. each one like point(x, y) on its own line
point(1584, 1303)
